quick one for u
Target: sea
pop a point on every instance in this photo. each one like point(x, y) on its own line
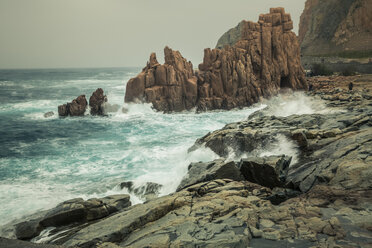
point(44, 161)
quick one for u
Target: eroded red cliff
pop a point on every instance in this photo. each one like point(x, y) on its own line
point(265, 59)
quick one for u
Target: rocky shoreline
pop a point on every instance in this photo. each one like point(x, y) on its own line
point(264, 59)
point(322, 197)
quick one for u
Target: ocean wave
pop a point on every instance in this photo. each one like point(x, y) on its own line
point(7, 83)
point(31, 105)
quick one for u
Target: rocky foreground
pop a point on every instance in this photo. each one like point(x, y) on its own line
point(320, 198)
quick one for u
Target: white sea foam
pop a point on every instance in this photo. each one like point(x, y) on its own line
point(296, 103)
point(31, 106)
point(140, 145)
point(280, 147)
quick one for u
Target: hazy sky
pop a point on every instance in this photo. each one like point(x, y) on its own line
point(115, 33)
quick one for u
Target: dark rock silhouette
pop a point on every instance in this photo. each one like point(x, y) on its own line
point(75, 108)
point(96, 102)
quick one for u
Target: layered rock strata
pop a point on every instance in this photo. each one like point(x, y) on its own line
point(169, 87)
point(226, 213)
point(334, 147)
point(265, 59)
point(69, 216)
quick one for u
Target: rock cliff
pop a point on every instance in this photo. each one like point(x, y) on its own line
point(334, 26)
point(169, 87)
point(265, 59)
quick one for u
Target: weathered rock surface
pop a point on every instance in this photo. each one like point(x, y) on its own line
point(231, 37)
point(75, 108)
point(97, 102)
point(268, 171)
point(203, 172)
point(70, 214)
point(169, 87)
point(13, 243)
point(225, 213)
point(265, 59)
point(334, 148)
point(48, 114)
point(332, 26)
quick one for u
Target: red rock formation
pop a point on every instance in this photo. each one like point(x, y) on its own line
point(169, 87)
point(265, 59)
point(96, 102)
point(75, 108)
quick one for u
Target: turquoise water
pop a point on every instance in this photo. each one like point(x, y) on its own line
point(44, 161)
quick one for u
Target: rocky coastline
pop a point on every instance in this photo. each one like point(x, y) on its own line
point(321, 198)
point(264, 59)
point(318, 193)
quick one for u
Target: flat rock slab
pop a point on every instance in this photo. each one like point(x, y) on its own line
point(14, 243)
point(225, 213)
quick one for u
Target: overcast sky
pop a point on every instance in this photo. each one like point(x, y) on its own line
point(117, 33)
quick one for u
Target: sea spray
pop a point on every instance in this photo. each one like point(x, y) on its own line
point(45, 161)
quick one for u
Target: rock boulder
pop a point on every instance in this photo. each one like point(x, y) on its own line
point(267, 171)
point(75, 108)
point(203, 172)
point(71, 213)
point(96, 102)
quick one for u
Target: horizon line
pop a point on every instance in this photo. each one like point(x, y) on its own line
point(64, 68)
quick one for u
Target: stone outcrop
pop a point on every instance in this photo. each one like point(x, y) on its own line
point(269, 171)
point(334, 26)
point(204, 172)
point(69, 214)
point(75, 108)
point(231, 37)
point(13, 243)
point(226, 213)
point(97, 102)
point(48, 114)
point(265, 59)
point(169, 87)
